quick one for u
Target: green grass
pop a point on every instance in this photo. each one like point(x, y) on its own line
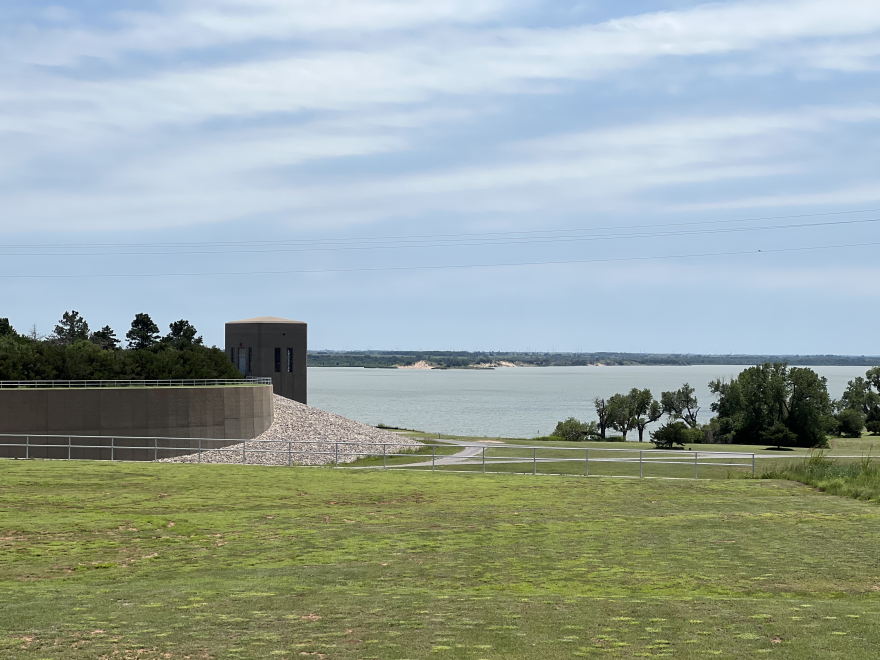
point(404, 456)
point(838, 445)
point(857, 479)
point(264, 562)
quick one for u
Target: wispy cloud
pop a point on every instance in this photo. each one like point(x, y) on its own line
point(201, 111)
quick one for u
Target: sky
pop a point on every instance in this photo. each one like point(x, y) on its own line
point(450, 175)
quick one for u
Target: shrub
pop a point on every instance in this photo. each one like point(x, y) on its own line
point(574, 430)
point(873, 427)
point(851, 423)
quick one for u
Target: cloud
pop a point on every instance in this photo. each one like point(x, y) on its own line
point(202, 179)
point(188, 133)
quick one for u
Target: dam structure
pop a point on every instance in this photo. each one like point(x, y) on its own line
point(271, 347)
point(140, 412)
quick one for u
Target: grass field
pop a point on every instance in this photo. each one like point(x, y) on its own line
point(144, 561)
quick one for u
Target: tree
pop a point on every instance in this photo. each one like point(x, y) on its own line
point(671, 433)
point(602, 413)
point(808, 406)
point(779, 436)
point(859, 396)
point(645, 410)
point(851, 423)
point(105, 338)
point(763, 396)
point(143, 334)
point(873, 375)
point(182, 334)
point(6, 329)
point(681, 405)
point(72, 327)
point(620, 413)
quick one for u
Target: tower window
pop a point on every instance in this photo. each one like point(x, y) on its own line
point(277, 359)
point(290, 360)
point(232, 355)
point(250, 359)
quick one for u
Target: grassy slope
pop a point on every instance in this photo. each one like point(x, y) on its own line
point(298, 563)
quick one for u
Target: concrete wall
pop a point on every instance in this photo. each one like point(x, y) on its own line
point(257, 339)
point(224, 413)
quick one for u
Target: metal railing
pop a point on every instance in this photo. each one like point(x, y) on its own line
point(511, 459)
point(170, 382)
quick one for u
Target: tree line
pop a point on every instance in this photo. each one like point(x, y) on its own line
point(73, 351)
point(770, 403)
point(376, 359)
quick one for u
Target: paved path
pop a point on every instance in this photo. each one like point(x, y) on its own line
point(471, 454)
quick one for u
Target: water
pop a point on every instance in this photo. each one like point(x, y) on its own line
point(518, 402)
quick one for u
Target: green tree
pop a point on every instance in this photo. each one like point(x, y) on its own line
point(873, 376)
point(779, 436)
point(143, 334)
point(603, 421)
point(762, 396)
point(860, 396)
point(620, 413)
point(681, 405)
point(182, 334)
point(670, 434)
point(105, 338)
point(808, 406)
point(72, 327)
point(645, 409)
point(6, 329)
point(851, 422)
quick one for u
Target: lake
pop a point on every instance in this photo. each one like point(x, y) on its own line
point(516, 402)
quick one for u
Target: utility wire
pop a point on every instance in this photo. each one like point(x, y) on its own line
point(447, 266)
point(423, 237)
point(470, 243)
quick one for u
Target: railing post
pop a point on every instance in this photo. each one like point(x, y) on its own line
point(696, 465)
point(535, 460)
point(27, 446)
point(433, 453)
point(112, 449)
point(337, 455)
point(289, 453)
point(68, 447)
point(200, 450)
point(156, 449)
point(640, 464)
point(588, 463)
point(484, 460)
point(753, 465)
point(383, 456)
point(244, 452)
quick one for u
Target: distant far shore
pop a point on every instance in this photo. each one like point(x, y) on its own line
point(492, 360)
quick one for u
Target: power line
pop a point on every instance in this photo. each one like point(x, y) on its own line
point(421, 237)
point(471, 243)
point(447, 266)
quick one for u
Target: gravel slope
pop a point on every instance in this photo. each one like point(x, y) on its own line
point(308, 431)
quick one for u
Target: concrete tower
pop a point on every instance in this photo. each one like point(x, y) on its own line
point(270, 347)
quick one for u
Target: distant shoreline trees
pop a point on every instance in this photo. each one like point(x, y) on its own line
point(72, 352)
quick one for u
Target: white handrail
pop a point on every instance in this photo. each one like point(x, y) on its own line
point(165, 382)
